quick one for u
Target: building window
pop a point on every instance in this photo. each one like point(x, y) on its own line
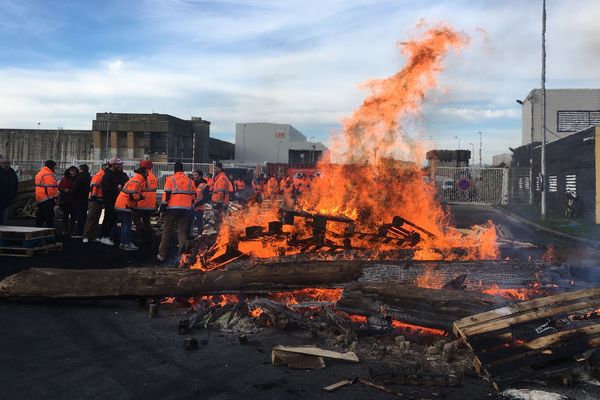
point(538, 183)
point(571, 183)
point(573, 121)
point(520, 183)
point(553, 184)
point(527, 184)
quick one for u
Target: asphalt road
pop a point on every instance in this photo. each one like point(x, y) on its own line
point(113, 350)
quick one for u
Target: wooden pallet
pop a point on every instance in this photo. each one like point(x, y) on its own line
point(24, 232)
point(28, 243)
point(28, 252)
point(541, 338)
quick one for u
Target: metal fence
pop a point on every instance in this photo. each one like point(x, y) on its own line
point(27, 170)
point(472, 185)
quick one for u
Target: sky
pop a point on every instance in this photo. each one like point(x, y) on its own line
point(297, 62)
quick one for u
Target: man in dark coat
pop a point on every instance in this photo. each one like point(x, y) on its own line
point(112, 183)
point(81, 190)
point(8, 187)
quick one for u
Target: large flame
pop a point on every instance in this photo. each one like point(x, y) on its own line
point(377, 174)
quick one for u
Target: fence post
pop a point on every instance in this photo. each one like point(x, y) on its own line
point(504, 200)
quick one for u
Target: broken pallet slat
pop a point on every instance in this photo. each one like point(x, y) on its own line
point(532, 339)
point(315, 351)
point(335, 386)
point(24, 232)
point(296, 360)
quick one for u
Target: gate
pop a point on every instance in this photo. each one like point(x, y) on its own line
point(472, 185)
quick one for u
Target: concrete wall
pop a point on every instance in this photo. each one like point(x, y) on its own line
point(45, 144)
point(556, 100)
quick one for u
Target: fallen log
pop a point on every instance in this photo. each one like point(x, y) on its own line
point(151, 282)
point(432, 308)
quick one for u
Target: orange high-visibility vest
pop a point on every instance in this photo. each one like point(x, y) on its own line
point(239, 185)
point(130, 194)
point(46, 187)
point(200, 196)
point(210, 183)
point(148, 202)
point(96, 186)
point(183, 192)
point(221, 189)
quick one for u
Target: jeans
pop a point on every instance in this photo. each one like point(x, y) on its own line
point(196, 219)
point(4, 214)
point(141, 218)
point(125, 227)
point(110, 218)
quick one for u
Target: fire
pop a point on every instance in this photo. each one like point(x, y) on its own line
point(522, 294)
point(314, 294)
point(221, 300)
point(418, 329)
point(377, 174)
point(359, 319)
point(256, 312)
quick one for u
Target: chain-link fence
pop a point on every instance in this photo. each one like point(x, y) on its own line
point(472, 185)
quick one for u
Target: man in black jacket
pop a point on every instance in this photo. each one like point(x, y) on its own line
point(113, 181)
point(81, 190)
point(8, 187)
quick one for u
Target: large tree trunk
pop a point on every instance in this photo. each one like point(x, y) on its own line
point(274, 276)
point(149, 282)
point(433, 308)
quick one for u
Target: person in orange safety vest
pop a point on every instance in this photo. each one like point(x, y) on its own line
point(178, 198)
point(202, 197)
point(91, 231)
point(220, 194)
point(146, 207)
point(46, 192)
point(127, 200)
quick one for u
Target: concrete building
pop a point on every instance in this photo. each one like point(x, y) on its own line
point(44, 144)
point(448, 158)
point(501, 160)
point(572, 166)
point(275, 143)
point(159, 137)
point(567, 111)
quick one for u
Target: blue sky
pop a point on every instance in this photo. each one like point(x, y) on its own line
point(298, 62)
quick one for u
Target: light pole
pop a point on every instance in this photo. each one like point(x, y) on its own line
point(456, 137)
point(480, 142)
point(472, 151)
point(107, 134)
point(543, 155)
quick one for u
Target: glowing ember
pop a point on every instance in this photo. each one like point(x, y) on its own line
point(359, 319)
point(522, 294)
point(309, 294)
point(256, 312)
point(418, 329)
point(221, 300)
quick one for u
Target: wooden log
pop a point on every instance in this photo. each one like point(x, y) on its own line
point(432, 308)
point(151, 282)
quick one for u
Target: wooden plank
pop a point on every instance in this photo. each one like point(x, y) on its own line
point(297, 360)
point(532, 315)
point(315, 351)
point(523, 307)
point(337, 385)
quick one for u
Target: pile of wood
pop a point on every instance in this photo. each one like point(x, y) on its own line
point(543, 338)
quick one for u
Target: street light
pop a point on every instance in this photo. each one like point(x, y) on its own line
point(480, 148)
point(456, 137)
point(472, 151)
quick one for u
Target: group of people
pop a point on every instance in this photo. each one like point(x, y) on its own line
point(82, 199)
point(288, 188)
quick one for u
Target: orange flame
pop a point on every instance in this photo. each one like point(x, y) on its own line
point(315, 294)
point(371, 185)
point(256, 312)
point(521, 294)
point(410, 328)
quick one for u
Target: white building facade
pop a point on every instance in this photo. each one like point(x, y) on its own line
point(275, 143)
point(567, 111)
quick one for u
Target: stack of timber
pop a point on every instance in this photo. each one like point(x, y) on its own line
point(24, 241)
point(543, 338)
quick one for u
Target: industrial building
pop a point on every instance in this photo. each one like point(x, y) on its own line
point(567, 111)
point(158, 137)
point(260, 142)
point(572, 166)
point(43, 144)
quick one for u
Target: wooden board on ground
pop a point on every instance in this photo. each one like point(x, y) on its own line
point(315, 351)
point(296, 360)
point(541, 338)
point(24, 232)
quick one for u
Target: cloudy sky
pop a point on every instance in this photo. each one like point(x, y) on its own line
point(298, 62)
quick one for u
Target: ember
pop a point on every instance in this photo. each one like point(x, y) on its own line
point(423, 330)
